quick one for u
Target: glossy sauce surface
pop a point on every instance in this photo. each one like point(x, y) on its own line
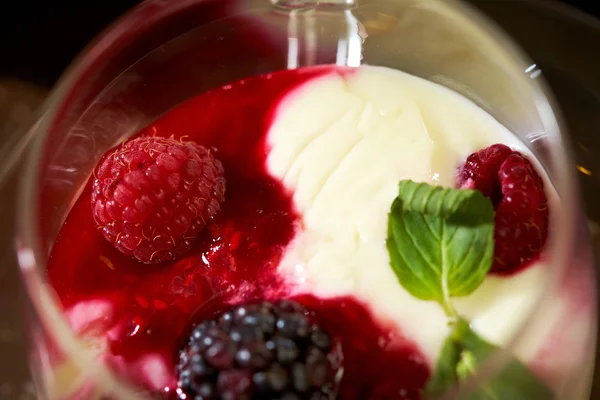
point(234, 259)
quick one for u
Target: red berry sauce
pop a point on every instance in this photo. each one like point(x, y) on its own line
point(235, 258)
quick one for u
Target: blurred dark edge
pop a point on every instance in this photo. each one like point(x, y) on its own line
point(39, 38)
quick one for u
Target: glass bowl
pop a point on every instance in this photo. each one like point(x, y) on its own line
point(163, 53)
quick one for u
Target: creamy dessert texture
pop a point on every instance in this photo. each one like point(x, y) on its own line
point(395, 126)
point(284, 188)
point(341, 144)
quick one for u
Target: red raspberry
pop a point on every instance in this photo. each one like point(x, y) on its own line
point(517, 191)
point(481, 169)
point(153, 195)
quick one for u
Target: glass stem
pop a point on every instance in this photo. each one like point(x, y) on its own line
point(305, 3)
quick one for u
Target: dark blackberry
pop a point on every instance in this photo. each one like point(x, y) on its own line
point(260, 351)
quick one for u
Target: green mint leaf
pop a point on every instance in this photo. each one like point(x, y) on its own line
point(446, 372)
point(440, 240)
point(513, 382)
point(466, 365)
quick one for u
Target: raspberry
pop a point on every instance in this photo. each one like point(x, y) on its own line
point(153, 195)
point(259, 351)
point(480, 171)
point(517, 191)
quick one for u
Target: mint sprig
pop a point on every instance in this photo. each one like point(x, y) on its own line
point(441, 245)
point(462, 354)
point(440, 241)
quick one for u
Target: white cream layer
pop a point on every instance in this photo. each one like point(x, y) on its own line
point(341, 144)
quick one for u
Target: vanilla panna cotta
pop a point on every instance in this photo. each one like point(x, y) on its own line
point(381, 205)
point(341, 144)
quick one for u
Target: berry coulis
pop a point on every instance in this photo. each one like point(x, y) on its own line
point(233, 261)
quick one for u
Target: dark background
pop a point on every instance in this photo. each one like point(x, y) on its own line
point(39, 38)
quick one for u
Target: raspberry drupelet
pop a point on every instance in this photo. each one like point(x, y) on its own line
point(510, 180)
point(153, 195)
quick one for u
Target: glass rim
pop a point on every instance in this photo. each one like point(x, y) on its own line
point(31, 257)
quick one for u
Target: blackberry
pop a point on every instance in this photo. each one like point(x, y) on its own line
point(260, 351)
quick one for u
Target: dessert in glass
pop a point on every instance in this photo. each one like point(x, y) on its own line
point(304, 200)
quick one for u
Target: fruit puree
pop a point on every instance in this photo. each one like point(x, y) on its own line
point(312, 159)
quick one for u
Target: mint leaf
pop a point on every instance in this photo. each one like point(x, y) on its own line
point(440, 240)
point(441, 245)
point(463, 352)
point(446, 373)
